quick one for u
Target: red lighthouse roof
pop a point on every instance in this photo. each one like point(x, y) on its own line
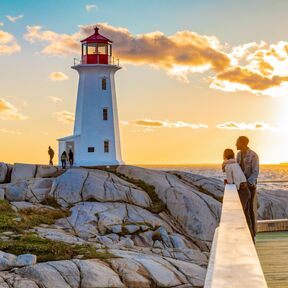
point(96, 38)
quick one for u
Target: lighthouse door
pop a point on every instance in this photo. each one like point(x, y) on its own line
point(70, 145)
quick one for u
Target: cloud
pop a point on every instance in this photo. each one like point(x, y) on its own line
point(184, 48)
point(15, 18)
point(1, 24)
point(258, 68)
point(57, 44)
point(55, 99)
point(167, 124)
point(8, 43)
point(11, 132)
point(65, 117)
point(58, 76)
point(91, 7)
point(10, 112)
point(247, 126)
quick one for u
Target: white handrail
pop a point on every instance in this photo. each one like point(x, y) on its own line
point(233, 258)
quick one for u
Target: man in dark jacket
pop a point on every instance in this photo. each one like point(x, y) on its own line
point(249, 163)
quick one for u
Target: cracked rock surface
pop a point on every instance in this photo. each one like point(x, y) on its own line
point(114, 213)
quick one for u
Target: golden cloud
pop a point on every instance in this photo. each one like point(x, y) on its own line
point(167, 124)
point(58, 44)
point(58, 76)
point(65, 117)
point(256, 68)
point(8, 43)
point(247, 126)
point(9, 112)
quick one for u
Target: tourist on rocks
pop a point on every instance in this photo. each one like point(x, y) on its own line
point(71, 157)
point(64, 159)
point(51, 155)
point(249, 163)
point(235, 175)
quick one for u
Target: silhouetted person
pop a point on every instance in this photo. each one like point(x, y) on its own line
point(71, 157)
point(249, 163)
point(51, 155)
point(64, 159)
point(235, 175)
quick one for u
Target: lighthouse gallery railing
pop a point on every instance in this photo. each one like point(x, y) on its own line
point(111, 61)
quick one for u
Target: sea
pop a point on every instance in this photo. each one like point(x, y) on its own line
point(271, 177)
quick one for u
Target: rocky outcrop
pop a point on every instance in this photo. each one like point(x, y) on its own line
point(273, 204)
point(33, 190)
point(114, 213)
point(207, 185)
point(8, 261)
point(128, 269)
point(5, 172)
point(28, 171)
point(96, 185)
point(197, 212)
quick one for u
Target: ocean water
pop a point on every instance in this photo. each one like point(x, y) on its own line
point(271, 177)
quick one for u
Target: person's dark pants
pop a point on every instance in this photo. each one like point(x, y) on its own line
point(246, 200)
point(63, 164)
point(71, 161)
point(253, 207)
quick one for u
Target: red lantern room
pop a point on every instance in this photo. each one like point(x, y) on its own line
point(96, 49)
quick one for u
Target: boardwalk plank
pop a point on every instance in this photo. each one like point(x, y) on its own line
point(272, 249)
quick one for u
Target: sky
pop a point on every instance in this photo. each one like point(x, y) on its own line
point(195, 75)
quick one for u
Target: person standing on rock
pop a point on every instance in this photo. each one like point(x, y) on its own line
point(64, 159)
point(71, 157)
point(51, 155)
point(249, 163)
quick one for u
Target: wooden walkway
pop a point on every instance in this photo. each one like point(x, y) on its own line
point(272, 249)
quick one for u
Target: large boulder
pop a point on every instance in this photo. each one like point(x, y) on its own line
point(46, 171)
point(273, 204)
point(23, 172)
point(76, 273)
point(207, 185)
point(34, 190)
point(5, 171)
point(198, 213)
point(78, 185)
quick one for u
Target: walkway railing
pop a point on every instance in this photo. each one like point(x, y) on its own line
point(233, 259)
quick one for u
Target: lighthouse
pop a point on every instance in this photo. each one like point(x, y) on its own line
point(96, 139)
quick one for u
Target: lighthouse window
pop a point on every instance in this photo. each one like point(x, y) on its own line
point(102, 49)
point(105, 114)
point(92, 48)
point(104, 84)
point(106, 146)
point(91, 149)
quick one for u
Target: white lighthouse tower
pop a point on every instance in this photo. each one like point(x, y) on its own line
point(96, 139)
